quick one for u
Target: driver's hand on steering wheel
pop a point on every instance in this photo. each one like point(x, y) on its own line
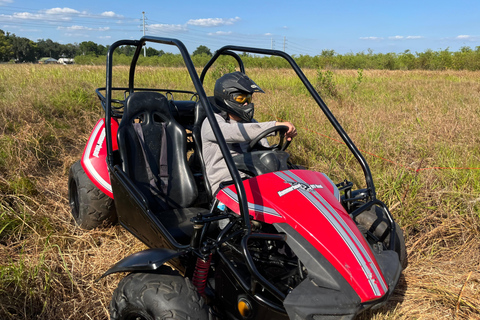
point(291, 133)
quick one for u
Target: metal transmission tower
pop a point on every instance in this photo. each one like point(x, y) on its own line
point(284, 43)
point(144, 29)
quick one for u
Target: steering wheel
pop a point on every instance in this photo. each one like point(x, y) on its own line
point(280, 146)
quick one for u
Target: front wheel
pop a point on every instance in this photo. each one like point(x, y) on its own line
point(148, 296)
point(375, 221)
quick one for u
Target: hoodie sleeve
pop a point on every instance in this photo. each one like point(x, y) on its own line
point(235, 132)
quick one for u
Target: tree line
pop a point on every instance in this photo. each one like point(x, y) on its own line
point(18, 49)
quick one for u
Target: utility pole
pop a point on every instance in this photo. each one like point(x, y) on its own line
point(273, 44)
point(284, 43)
point(144, 47)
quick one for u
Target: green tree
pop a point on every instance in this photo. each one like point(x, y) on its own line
point(151, 52)
point(23, 49)
point(406, 60)
point(445, 59)
point(47, 48)
point(88, 47)
point(6, 52)
point(202, 50)
point(425, 59)
point(126, 50)
point(68, 50)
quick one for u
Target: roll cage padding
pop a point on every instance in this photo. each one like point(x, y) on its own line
point(151, 109)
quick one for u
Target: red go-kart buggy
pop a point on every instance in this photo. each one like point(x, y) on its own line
point(286, 243)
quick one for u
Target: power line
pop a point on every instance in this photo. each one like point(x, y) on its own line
point(189, 34)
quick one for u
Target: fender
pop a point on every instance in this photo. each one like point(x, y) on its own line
point(95, 155)
point(309, 202)
point(146, 260)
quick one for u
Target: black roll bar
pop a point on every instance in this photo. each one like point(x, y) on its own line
point(224, 53)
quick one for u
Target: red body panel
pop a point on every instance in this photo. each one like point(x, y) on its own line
point(95, 155)
point(309, 202)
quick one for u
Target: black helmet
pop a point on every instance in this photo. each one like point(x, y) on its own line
point(225, 89)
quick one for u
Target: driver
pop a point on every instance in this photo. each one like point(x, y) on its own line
point(233, 97)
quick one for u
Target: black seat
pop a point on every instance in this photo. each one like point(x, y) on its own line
point(198, 161)
point(151, 111)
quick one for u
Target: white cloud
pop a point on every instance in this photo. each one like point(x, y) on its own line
point(61, 11)
point(405, 37)
point(19, 28)
point(398, 37)
point(83, 28)
point(212, 22)
point(371, 38)
point(27, 16)
point(82, 35)
point(220, 33)
point(4, 2)
point(29, 30)
point(56, 14)
point(465, 37)
point(167, 27)
point(268, 34)
point(111, 14)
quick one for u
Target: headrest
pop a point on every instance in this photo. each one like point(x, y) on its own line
point(201, 114)
point(146, 102)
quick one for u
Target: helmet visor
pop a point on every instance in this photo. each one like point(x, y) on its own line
point(242, 97)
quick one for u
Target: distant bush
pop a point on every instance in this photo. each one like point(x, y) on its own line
point(326, 83)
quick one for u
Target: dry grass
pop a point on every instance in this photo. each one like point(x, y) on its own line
point(415, 120)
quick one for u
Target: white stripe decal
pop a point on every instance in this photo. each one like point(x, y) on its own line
point(343, 230)
point(88, 163)
point(345, 238)
point(252, 206)
point(336, 192)
point(326, 205)
point(362, 248)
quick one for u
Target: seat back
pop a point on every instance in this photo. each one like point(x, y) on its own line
point(151, 110)
point(198, 161)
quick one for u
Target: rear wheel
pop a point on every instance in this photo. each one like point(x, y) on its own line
point(375, 221)
point(90, 207)
point(148, 296)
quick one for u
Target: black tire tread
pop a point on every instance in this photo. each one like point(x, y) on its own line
point(95, 207)
point(159, 297)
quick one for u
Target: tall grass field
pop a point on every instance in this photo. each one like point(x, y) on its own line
point(418, 130)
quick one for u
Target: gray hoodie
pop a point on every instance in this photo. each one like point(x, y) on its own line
point(237, 135)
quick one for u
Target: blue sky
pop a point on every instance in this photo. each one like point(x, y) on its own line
point(299, 27)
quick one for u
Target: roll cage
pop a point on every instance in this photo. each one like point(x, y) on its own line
point(365, 198)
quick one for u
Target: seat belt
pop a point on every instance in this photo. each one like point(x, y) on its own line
point(163, 163)
point(163, 172)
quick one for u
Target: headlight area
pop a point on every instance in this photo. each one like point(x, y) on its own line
point(325, 292)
